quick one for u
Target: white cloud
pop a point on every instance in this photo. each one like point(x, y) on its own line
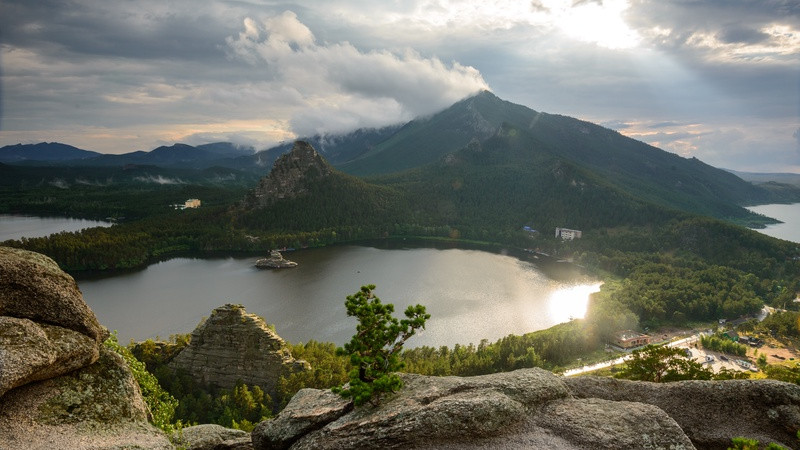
point(342, 87)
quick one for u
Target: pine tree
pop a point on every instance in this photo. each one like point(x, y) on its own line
point(375, 348)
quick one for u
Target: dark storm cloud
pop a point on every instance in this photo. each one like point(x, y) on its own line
point(669, 124)
point(737, 34)
point(734, 20)
point(140, 30)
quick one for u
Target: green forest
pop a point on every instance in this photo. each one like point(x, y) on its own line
point(661, 266)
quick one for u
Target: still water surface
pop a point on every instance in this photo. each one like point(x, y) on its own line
point(17, 227)
point(788, 214)
point(470, 294)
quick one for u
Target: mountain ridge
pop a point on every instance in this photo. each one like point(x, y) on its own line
point(643, 171)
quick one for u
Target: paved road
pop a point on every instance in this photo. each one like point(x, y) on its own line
point(698, 354)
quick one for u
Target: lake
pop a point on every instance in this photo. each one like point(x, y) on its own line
point(788, 214)
point(17, 227)
point(470, 294)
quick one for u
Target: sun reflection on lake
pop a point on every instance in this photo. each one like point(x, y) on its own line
point(571, 302)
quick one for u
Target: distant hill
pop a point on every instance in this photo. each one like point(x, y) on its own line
point(16, 177)
point(175, 156)
point(43, 151)
point(759, 178)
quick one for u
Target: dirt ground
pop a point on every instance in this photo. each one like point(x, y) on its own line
point(774, 353)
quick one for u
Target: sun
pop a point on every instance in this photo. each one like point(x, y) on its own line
point(597, 22)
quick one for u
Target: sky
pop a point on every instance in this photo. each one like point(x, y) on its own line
point(714, 79)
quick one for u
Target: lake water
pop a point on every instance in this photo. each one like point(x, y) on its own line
point(470, 294)
point(788, 214)
point(17, 227)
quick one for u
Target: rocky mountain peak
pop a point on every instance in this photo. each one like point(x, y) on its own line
point(234, 345)
point(290, 175)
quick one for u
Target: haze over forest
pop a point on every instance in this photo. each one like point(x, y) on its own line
point(715, 80)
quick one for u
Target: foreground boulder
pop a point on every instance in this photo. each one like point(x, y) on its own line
point(59, 386)
point(233, 345)
point(32, 286)
point(212, 437)
point(711, 412)
point(32, 352)
point(99, 406)
point(528, 408)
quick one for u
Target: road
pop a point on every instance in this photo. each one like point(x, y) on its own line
point(698, 354)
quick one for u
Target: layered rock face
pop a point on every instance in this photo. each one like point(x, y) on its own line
point(529, 408)
point(59, 386)
point(532, 408)
point(290, 175)
point(233, 345)
point(711, 412)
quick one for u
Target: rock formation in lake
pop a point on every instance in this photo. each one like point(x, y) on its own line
point(275, 261)
point(59, 386)
point(233, 345)
point(290, 176)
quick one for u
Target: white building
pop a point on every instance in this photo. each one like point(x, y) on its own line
point(567, 235)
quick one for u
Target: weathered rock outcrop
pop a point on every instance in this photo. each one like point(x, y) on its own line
point(290, 175)
point(31, 352)
point(275, 261)
point(32, 286)
point(711, 412)
point(233, 345)
point(212, 437)
point(528, 408)
point(59, 386)
point(98, 406)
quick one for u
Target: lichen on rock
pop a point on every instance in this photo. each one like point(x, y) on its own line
point(31, 352)
point(529, 408)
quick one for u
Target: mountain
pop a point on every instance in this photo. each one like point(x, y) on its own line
point(639, 169)
point(177, 155)
point(425, 140)
point(43, 151)
point(227, 149)
point(303, 192)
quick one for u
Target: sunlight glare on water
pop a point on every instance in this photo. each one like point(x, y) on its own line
point(571, 302)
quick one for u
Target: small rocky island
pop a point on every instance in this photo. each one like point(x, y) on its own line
point(275, 261)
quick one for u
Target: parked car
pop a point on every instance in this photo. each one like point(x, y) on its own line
point(723, 357)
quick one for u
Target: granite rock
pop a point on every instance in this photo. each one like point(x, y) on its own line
point(98, 407)
point(529, 408)
point(233, 345)
point(32, 286)
point(32, 352)
point(710, 412)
